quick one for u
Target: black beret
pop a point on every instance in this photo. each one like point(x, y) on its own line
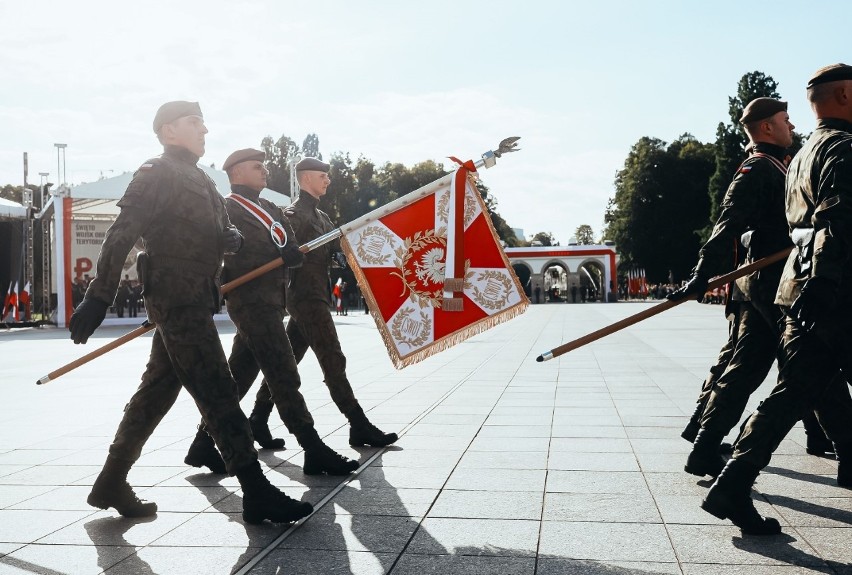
point(831, 73)
point(243, 156)
point(312, 164)
point(171, 111)
point(762, 108)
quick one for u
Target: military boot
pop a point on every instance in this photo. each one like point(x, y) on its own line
point(362, 432)
point(259, 421)
point(844, 464)
point(262, 500)
point(112, 490)
point(704, 459)
point(816, 442)
point(694, 426)
point(203, 453)
point(730, 498)
point(320, 458)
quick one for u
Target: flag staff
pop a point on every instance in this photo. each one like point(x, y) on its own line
point(660, 308)
point(488, 160)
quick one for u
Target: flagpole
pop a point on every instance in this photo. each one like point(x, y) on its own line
point(661, 307)
point(488, 160)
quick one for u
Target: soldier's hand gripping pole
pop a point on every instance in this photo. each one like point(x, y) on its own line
point(660, 308)
point(488, 160)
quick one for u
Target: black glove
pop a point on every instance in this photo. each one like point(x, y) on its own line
point(696, 287)
point(86, 319)
point(291, 255)
point(338, 260)
point(232, 240)
point(816, 302)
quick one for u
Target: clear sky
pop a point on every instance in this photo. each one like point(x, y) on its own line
point(402, 81)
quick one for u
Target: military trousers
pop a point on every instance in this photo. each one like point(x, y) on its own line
point(756, 347)
point(810, 379)
point(261, 345)
point(186, 352)
point(311, 326)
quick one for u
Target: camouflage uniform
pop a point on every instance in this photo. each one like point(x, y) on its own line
point(174, 206)
point(308, 303)
point(819, 196)
point(257, 309)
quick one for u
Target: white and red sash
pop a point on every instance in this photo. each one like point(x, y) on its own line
point(276, 230)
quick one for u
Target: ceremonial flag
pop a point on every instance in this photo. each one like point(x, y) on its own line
point(433, 272)
point(10, 305)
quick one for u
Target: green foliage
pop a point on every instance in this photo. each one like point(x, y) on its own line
point(660, 199)
point(585, 235)
point(544, 239)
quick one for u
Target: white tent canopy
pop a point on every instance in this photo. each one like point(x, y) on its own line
point(10, 209)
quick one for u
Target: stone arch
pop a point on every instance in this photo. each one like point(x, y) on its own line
point(592, 278)
point(556, 280)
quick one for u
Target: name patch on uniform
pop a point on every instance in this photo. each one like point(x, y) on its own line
point(146, 166)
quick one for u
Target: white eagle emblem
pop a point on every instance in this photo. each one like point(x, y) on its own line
point(431, 267)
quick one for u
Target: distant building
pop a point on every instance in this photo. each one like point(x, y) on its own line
point(519, 233)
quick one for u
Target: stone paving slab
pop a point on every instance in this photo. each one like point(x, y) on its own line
point(504, 465)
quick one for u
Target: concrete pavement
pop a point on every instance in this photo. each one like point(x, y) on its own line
point(504, 465)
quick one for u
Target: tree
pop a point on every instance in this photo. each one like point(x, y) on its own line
point(544, 239)
point(660, 200)
point(278, 155)
point(585, 235)
point(310, 147)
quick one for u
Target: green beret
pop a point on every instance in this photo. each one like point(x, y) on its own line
point(313, 165)
point(761, 109)
point(831, 73)
point(171, 111)
point(243, 156)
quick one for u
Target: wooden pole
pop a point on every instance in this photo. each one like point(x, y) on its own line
point(661, 307)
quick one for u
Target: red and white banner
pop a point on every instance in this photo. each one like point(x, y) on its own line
point(400, 261)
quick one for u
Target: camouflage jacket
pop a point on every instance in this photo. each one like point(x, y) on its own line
point(819, 210)
point(258, 249)
point(174, 206)
point(754, 202)
point(311, 282)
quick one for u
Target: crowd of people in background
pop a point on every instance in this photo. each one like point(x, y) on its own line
point(128, 298)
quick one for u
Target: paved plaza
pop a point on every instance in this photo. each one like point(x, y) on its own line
point(504, 465)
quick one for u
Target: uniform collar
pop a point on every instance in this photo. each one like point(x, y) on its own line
point(180, 153)
point(308, 201)
point(834, 124)
point(770, 149)
point(246, 192)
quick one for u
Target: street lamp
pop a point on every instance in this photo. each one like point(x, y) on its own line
point(60, 172)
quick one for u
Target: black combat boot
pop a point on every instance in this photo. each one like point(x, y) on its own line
point(694, 426)
point(203, 453)
point(112, 490)
point(730, 498)
point(262, 500)
point(816, 442)
point(844, 464)
point(704, 459)
point(320, 458)
point(259, 421)
point(362, 432)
